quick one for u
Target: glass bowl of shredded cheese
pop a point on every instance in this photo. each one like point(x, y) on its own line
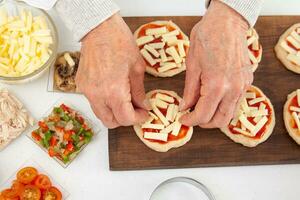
point(28, 42)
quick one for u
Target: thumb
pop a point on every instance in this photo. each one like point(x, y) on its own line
point(137, 88)
point(191, 91)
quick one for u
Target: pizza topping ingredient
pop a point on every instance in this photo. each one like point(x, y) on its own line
point(292, 46)
point(14, 119)
point(52, 194)
point(30, 185)
point(31, 192)
point(254, 47)
point(163, 125)
point(27, 175)
point(65, 70)
point(63, 133)
point(294, 108)
point(42, 181)
point(25, 42)
point(253, 115)
point(162, 46)
point(144, 40)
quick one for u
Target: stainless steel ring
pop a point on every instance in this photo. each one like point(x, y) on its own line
point(190, 181)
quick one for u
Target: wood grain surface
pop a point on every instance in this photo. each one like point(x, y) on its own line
point(210, 147)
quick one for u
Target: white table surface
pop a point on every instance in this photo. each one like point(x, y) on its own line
point(89, 177)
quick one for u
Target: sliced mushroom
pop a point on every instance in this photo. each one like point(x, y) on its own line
point(65, 71)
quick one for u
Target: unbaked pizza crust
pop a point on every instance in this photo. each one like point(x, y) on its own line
point(170, 144)
point(282, 54)
point(287, 117)
point(168, 73)
point(251, 142)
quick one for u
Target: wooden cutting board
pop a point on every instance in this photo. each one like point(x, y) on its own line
point(210, 147)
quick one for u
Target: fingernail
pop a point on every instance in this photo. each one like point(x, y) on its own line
point(181, 105)
point(147, 104)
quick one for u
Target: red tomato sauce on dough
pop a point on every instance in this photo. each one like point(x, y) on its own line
point(149, 26)
point(263, 129)
point(291, 45)
point(183, 130)
point(294, 102)
point(254, 52)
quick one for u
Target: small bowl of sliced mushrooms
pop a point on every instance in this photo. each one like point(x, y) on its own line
point(65, 69)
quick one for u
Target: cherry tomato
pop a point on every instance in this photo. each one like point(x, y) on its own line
point(53, 141)
point(17, 186)
point(65, 108)
point(36, 136)
point(9, 194)
point(43, 126)
point(70, 147)
point(31, 192)
point(52, 193)
point(42, 182)
point(26, 175)
point(51, 152)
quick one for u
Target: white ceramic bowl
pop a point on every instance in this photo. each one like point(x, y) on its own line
point(13, 8)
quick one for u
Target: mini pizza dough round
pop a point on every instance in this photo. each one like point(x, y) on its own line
point(287, 117)
point(282, 54)
point(170, 144)
point(150, 69)
point(251, 142)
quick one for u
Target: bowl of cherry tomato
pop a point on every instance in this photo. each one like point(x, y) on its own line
point(30, 184)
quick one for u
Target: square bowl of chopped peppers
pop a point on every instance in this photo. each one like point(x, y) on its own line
point(63, 133)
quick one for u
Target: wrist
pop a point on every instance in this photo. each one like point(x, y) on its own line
point(104, 28)
point(225, 14)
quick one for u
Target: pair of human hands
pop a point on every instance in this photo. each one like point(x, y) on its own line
point(111, 71)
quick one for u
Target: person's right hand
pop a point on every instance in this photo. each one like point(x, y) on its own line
point(111, 74)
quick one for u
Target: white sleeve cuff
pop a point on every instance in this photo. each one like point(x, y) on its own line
point(249, 9)
point(83, 16)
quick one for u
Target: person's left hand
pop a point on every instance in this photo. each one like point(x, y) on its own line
point(218, 68)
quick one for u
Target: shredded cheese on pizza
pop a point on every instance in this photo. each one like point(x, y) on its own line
point(162, 123)
point(162, 49)
point(254, 47)
point(292, 46)
point(295, 111)
point(252, 116)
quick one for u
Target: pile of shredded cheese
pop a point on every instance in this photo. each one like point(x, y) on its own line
point(14, 119)
point(24, 43)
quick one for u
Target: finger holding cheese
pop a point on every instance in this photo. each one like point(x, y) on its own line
point(26, 43)
point(162, 44)
point(255, 120)
point(166, 131)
